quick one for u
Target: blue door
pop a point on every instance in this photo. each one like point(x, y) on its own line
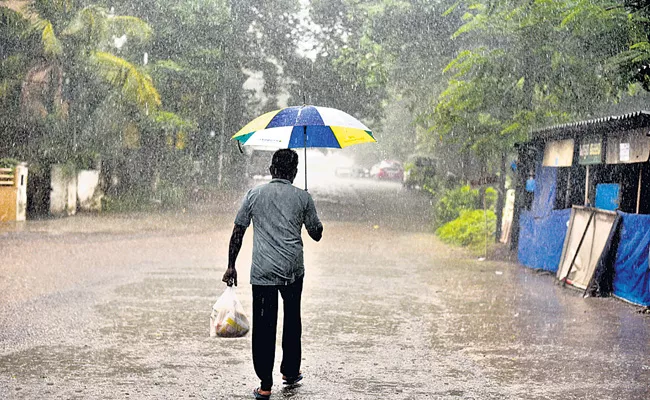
point(608, 196)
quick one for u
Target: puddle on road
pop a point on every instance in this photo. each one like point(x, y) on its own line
point(55, 361)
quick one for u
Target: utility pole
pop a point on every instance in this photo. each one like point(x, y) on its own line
point(221, 142)
point(502, 197)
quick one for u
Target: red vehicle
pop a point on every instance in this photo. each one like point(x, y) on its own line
point(391, 170)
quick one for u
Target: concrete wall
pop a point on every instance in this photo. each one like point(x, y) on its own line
point(21, 193)
point(70, 187)
point(63, 197)
point(88, 193)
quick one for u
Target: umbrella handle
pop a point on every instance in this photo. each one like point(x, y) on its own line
point(305, 143)
point(240, 149)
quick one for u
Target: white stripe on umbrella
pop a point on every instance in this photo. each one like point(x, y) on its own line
point(272, 137)
point(334, 117)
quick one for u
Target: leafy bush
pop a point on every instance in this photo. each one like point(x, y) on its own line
point(469, 229)
point(177, 169)
point(171, 194)
point(134, 200)
point(454, 201)
point(87, 160)
point(176, 180)
point(463, 198)
point(170, 189)
point(421, 174)
point(491, 198)
point(8, 163)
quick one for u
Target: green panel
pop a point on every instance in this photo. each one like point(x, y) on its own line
point(591, 151)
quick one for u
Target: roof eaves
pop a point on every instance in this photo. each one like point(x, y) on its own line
point(632, 120)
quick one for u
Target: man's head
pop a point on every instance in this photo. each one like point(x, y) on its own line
point(284, 164)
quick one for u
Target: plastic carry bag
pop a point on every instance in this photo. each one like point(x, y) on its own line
point(228, 318)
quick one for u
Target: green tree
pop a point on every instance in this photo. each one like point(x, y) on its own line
point(202, 53)
point(389, 54)
point(18, 50)
point(80, 90)
point(631, 64)
point(538, 62)
point(73, 60)
point(533, 63)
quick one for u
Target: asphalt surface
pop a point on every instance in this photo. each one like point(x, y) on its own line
point(117, 307)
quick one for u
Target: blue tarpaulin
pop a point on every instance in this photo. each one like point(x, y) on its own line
point(545, 183)
point(542, 229)
point(631, 269)
point(541, 239)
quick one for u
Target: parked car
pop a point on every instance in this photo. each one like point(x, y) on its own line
point(351, 172)
point(390, 170)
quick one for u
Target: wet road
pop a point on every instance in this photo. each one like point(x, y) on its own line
point(117, 307)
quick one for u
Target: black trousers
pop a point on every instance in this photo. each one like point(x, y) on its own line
point(265, 321)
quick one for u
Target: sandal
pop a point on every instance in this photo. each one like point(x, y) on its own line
point(260, 396)
point(292, 380)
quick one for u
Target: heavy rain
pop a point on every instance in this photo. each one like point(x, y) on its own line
point(468, 217)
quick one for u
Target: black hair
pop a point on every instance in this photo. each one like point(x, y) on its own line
point(284, 161)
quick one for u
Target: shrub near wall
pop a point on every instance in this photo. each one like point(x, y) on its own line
point(454, 201)
point(8, 163)
point(469, 229)
point(461, 219)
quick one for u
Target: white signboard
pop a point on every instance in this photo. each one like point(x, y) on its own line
point(558, 153)
point(624, 154)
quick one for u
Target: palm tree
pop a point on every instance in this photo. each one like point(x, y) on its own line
point(70, 76)
point(86, 38)
point(80, 63)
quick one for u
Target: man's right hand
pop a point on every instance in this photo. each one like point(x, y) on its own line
point(230, 277)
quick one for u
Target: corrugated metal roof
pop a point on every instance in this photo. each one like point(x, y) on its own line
point(606, 125)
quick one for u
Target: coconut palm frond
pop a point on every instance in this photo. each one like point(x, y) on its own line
point(171, 122)
point(134, 28)
point(136, 85)
point(52, 46)
point(83, 21)
point(90, 25)
point(168, 66)
point(95, 27)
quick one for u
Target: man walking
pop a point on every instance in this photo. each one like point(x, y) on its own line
point(278, 211)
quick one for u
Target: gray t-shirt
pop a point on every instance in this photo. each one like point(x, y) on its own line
point(278, 211)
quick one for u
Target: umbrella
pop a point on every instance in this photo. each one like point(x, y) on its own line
point(304, 126)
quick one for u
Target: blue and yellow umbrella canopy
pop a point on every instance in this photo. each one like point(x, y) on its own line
point(304, 126)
